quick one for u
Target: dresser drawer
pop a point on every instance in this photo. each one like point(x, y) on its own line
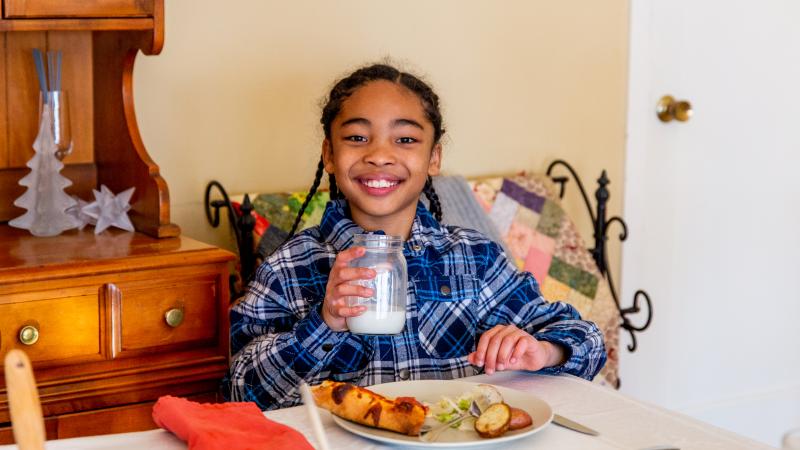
point(175, 312)
point(28, 9)
point(61, 330)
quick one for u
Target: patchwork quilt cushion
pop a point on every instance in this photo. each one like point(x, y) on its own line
point(545, 242)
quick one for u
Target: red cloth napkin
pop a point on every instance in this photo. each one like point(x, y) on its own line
point(230, 426)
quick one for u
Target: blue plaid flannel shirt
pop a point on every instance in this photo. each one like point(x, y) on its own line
point(278, 337)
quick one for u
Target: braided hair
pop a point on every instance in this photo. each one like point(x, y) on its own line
point(433, 198)
point(311, 192)
point(335, 194)
point(342, 90)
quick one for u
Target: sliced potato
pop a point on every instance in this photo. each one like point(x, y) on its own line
point(519, 419)
point(494, 421)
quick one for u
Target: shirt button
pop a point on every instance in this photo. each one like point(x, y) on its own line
point(327, 347)
point(404, 374)
point(416, 247)
point(445, 290)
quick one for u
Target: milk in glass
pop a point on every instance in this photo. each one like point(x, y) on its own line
point(386, 309)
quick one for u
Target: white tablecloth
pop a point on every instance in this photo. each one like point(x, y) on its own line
point(623, 423)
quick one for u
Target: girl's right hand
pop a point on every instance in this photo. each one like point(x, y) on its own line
point(334, 307)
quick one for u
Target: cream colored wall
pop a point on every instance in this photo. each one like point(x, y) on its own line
point(235, 94)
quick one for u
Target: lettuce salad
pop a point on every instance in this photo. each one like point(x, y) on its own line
point(448, 408)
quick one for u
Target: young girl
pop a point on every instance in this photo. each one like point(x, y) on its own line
point(469, 308)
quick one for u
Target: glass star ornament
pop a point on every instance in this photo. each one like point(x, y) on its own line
point(76, 211)
point(109, 209)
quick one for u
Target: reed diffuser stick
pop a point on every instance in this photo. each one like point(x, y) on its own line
point(38, 61)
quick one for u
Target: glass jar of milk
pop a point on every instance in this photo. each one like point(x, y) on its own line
point(386, 309)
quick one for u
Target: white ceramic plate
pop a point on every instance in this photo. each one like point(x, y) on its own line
point(430, 391)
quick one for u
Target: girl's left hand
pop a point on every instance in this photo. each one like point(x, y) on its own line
point(506, 347)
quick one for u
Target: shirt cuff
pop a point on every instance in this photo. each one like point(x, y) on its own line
point(316, 337)
point(568, 344)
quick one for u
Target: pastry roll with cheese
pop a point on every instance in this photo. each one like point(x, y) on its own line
point(404, 414)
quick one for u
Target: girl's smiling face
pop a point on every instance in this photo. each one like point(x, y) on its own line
point(381, 151)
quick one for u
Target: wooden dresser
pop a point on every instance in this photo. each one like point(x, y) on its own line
point(110, 321)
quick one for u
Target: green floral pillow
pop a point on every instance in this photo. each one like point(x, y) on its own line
point(275, 214)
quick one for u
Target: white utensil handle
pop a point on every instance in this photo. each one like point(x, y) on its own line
point(23, 402)
point(313, 414)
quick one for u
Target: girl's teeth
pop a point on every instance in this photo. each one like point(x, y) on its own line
point(380, 183)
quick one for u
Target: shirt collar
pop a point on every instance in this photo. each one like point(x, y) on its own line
point(338, 229)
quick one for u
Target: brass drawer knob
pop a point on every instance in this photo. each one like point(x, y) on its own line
point(28, 335)
point(174, 317)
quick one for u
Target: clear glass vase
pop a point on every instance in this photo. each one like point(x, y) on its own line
point(58, 103)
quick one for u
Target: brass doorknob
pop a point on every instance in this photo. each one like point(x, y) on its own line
point(668, 109)
point(174, 317)
point(28, 335)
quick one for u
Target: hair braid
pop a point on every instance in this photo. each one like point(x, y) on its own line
point(310, 195)
point(433, 197)
point(335, 194)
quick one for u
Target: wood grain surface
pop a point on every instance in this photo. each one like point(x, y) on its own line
point(83, 8)
point(3, 105)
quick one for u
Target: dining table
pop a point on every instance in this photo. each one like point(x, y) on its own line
point(621, 421)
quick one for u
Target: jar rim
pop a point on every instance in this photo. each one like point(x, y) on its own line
point(373, 240)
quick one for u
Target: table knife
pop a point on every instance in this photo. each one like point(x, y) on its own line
point(572, 425)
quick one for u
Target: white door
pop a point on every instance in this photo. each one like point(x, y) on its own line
point(713, 206)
